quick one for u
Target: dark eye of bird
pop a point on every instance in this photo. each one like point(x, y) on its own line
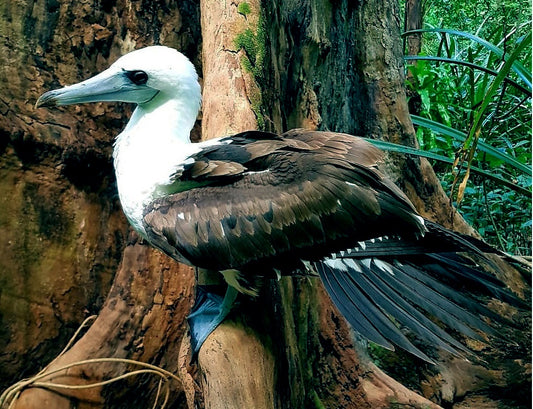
point(137, 77)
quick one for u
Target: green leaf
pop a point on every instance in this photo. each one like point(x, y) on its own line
point(473, 135)
point(426, 101)
point(523, 89)
point(517, 67)
point(461, 137)
point(393, 147)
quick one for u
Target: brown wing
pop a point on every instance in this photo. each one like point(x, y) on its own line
point(267, 200)
point(260, 201)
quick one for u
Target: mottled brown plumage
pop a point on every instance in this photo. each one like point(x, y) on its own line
point(310, 201)
point(303, 194)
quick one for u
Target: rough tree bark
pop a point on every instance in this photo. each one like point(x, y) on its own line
point(237, 367)
point(64, 236)
point(324, 65)
point(413, 21)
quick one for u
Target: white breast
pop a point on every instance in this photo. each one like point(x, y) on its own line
point(152, 148)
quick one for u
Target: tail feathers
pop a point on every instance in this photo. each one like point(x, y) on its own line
point(374, 294)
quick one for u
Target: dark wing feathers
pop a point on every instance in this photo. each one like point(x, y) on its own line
point(402, 300)
point(258, 201)
point(307, 192)
point(358, 293)
point(353, 311)
point(378, 288)
point(391, 304)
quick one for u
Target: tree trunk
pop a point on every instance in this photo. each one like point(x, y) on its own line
point(413, 21)
point(237, 368)
point(275, 65)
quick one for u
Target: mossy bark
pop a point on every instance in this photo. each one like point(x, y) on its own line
point(316, 64)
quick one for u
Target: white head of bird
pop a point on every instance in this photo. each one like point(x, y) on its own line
point(156, 141)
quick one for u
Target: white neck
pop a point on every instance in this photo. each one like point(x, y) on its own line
point(152, 147)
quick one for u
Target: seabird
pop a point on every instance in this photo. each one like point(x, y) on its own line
point(260, 204)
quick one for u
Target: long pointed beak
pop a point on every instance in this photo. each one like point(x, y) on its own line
point(109, 85)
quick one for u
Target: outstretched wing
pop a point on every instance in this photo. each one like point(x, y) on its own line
point(267, 200)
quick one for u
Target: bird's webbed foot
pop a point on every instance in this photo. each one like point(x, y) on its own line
point(209, 310)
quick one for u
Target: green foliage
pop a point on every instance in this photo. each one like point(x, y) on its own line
point(244, 8)
point(252, 42)
point(408, 150)
point(472, 97)
point(482, 17)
